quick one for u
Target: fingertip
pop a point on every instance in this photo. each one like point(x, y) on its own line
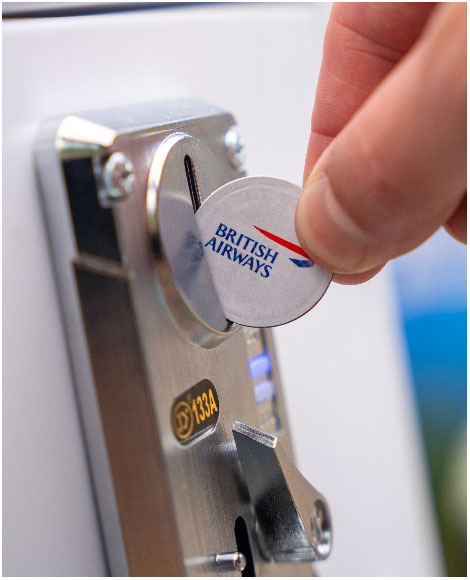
point(324, 230)
point(353, 279)
point(456, 226)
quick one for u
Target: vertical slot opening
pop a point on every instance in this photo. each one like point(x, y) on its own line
point(243, 545)
point(192, 183)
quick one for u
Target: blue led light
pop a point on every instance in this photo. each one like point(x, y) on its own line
point(259, 365)
point(263, 391)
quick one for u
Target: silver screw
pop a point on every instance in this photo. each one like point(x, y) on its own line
point(118, 176)
point(231, 561)
point(235, 147)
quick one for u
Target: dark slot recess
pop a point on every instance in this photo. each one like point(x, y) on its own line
point(95, 230)
point(243, 546)
point(192, 183)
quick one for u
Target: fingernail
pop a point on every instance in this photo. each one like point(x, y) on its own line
point(314, 176)
point(325, 231)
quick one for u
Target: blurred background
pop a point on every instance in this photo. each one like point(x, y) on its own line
point(374, 377)
point(431, 290)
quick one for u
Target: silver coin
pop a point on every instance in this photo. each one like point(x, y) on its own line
point(261, 274)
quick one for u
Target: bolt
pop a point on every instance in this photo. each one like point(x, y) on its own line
point(235, 147)
point(231, 561)
point(118, 177)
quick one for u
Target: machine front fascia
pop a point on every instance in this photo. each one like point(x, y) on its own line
point(137, 347)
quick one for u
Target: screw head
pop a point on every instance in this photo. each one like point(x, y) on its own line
point(239, 562)
point(118, 176)
point(235, 147)
point(231, 561)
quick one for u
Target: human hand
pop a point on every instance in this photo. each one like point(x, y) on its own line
point(388, 137)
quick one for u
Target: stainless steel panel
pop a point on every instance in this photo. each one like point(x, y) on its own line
point(166, 509)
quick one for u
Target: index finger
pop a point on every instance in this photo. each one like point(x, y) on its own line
point(363, 42)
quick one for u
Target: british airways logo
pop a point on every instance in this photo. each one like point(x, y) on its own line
point(290, 246)
point(249, 253)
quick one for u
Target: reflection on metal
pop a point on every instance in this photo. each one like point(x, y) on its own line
point(78, 137)
point(293, 521)
point(233, 561)
point(74, 128)
point(235, 147)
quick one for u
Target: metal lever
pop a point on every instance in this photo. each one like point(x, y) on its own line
point(292, 519)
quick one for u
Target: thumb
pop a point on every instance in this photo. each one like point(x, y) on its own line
point(397, 171)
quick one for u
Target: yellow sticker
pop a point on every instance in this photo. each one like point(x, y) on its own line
point(195, 412)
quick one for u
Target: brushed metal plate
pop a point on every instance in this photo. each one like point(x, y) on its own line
point(165, 508)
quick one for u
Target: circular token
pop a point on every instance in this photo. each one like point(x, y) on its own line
point(261, 274)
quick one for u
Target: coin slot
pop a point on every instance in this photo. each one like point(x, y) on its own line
point(243, 545)
point(195, 194)
point(183, 173)
point(192, 183)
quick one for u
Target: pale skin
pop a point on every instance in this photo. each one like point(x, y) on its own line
point(386, 162)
